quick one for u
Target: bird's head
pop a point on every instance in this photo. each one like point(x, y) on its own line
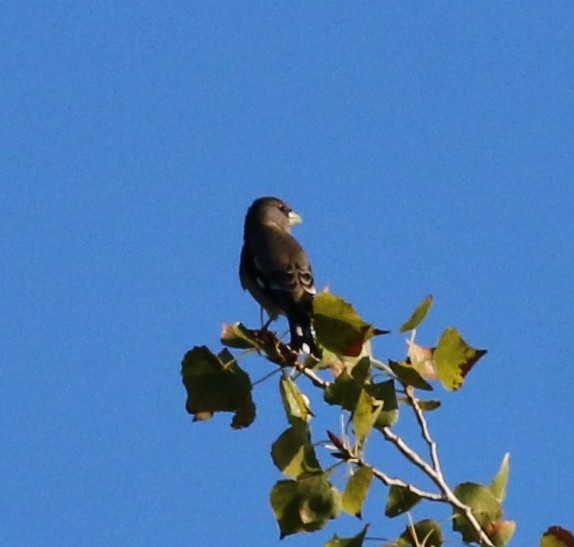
point(272, 211)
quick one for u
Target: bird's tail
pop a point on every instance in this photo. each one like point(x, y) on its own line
point(303, 336)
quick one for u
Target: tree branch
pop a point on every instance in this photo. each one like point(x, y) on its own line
point(316, 380)
point(435, 472)
point(390, 481)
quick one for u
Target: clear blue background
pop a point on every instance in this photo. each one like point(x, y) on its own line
point(430, 150)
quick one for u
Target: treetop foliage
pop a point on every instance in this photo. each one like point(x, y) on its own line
point(371, 395)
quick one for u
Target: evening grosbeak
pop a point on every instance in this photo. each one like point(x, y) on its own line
point(275, 269)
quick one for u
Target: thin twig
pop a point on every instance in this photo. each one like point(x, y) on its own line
point(262, 379)
point(316, 380)
point(409, 452)
point(435, 472)
point(423, 424)
point(391, 481)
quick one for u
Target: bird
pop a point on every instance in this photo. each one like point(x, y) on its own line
point(275, 269)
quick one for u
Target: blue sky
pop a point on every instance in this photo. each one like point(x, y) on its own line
point(429, 149)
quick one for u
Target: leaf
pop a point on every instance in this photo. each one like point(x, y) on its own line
point(422, 360)
point(425, 406)
point(356, 490)
point(344, 391)
point(385, 392)
point(295, 403)
point(428, 406)
point(556, 536)
point(425, 533)
point(365, 415)
point(304, 505)
point(337, 441)
point(361, 371)
point(400, 500)
point(409, 376)
point(346, 388)
point(216, 383)
point(338, 327)
point(355, 541)
point(498, 484)
point(501, 532)
point(239, 336)
point(264, 341)
point(485, 507)
point(293, 453)
point(454, 358)
point(418, 315)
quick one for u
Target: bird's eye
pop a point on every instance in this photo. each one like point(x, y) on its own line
point(284, 209)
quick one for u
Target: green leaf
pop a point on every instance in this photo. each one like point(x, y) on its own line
point(361, 371)
point(425, 406)
point(338, 327)
point(418, 315)
point(498, 484)
point(454, 359)
point(304, 505)
point(355, 541)
point(365, 415)
point(294, 402)
point(408, 375)
point(556, 536)
point(345, 390)
point(428, 406)
point(356, 490)
point(485, 507)
point(216, 383)
point(293, 453)
point(385, 391)
point(400, 500)
point(425, 533)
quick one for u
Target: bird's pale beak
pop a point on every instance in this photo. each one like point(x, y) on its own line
point(294, 218)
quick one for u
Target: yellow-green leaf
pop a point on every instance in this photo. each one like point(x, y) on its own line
point(400, 500)
point(345, 390)
point(304, 505)
point(409, 376)
point(425, 533)
point(485, 507)
point(361, 371)
point(556, 536)
point(454, 358)
point(355, 541)
point(338, 327)
point(356, 490)
point(385, 391)
point(425, 406)
point(418, 315)
point(365, 415)
point(293, 453)
point(498, 484)
point(294, 402)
